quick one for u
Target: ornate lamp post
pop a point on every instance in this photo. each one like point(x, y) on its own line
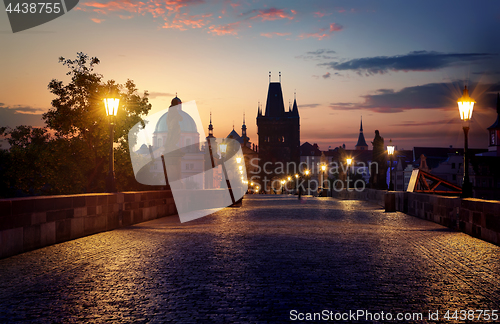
point(390, 151)
point(307, 175)
point(465, 107)
point(111, 105)
point(323, 169)
point(296, 182)
point(349, 162)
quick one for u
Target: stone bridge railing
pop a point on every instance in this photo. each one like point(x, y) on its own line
point(34, 222)
point(476, 217)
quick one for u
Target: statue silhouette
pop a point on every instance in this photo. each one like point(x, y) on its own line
point(378, 171)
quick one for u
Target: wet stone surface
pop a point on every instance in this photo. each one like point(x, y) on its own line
point(254, 264)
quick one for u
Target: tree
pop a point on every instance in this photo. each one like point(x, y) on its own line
point(78, 118)
point(70, 155)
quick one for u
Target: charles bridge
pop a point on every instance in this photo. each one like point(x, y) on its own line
point(274, 259)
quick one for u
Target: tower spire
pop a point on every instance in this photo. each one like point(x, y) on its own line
point(210, 127)
point(280, 76)
point(361, 145)
point(269, 76)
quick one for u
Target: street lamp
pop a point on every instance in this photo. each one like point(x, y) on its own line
point(390, 151)
point(296, 182)
point(349, 161)
point(283, 187)
point(465, 107)
point(307, 175)
point(111, 105)
point(323, 168)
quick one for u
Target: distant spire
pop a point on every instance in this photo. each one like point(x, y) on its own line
point(243, 117)
point(295, 110)
point(361, 145)
point(210, 127)
point(269, 76)
point(280, 76)
point(233, 124)
point(294, 94)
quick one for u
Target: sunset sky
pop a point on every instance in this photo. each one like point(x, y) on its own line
point(399, 64)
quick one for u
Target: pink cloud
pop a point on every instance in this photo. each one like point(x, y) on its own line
point(228, 29)
point(115, 5)
point(323, 32)
point(335, 27)
point(271, 35)
point(96, 20)
point(271, 14)
point(169, 10)
point(321, 14)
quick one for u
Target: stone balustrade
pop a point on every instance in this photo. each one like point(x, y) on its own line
point(476, 217)
point(34, 222)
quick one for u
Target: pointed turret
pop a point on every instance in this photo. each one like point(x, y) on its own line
point(210, 128)
point(244, 131)
point(274, 104)
point(361, 145)
point(295, 109)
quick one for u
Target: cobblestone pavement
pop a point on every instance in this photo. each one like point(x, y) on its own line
point(255, 264)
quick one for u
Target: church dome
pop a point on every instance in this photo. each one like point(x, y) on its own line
point(187, 123)
point(176, 101)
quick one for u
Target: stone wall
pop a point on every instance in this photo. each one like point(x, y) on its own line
point(34, 222)
point(476, 217)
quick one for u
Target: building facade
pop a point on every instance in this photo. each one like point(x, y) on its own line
point(279, 138)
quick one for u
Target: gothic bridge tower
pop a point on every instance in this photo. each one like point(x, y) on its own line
point(279, 135)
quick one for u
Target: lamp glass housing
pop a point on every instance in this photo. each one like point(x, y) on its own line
point(465, 105)
point(111, 105)
point(390, 149)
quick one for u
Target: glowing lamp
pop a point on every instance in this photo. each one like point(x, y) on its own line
point(465, 105)
point(223, 147)
point(349, 161)
point(111, 105)
point(390, 148)
point(238, 160)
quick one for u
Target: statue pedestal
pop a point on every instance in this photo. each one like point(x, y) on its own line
point(172, 166)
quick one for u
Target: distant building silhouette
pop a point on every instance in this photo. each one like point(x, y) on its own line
point(494, 131)
point(361, 145)
point(279, 134)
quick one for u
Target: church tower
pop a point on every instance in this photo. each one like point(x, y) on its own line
point(279, 136)
point(361, 145)
point(244, 132)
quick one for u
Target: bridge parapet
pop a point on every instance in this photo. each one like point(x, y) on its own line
point(476, 217)
point(34, 222)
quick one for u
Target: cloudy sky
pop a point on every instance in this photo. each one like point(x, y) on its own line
point(399, 64)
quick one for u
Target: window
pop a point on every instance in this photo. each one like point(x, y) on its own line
point(454, 177)
point(453, 165)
